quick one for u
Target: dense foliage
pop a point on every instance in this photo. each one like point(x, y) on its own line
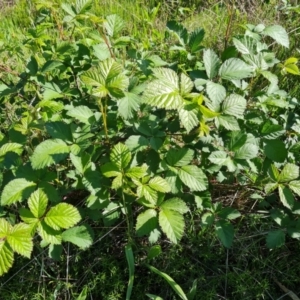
point(101, 127)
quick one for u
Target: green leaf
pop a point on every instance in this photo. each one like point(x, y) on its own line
point(148, 193)
point(6, 257)
point(211, 63)
point(59, 130)
point(48, 234)
point(5, 228)
point(137, 143)
point(208, 114)
point(207, 219)
point(55, 251)
point(101, 51)
point(275, 239)
point(288, 173)
point(83, 295)
point(27, 217)
point(271, 131)
point(286, 196)
point(154, 297)
point(128, 104)
point(32, 66)
point(278, 33)
point(113, 25)
point(273, 79)
point(81, 236)
point(107, 79)
point(237, 140)
point(179, 30)
point(37, 203)
point(11, 147)
point(81, 163)
point(146, 222)
point(216, 92)
point(175, 204)
point(137, 172)
point(130, 262)
point(193, 291)
point(51, 65)
point(52, 91)
point(16, 190)
point(174, 182)
point(193, 177)
point(247, 151)
point(20, 239)
point(172, 224)
point(178, 290)
point(156, 143)
point(83, 114)
point(165, 91)
point(295, 186)
point(120, 156)
point(270, 187)
point(188, 115)
point(229, 213)
point(292, 69)
point(235, 68)
point(186, 84)
point(195, 40)
point(83, 6)
point(154, 251)
point(273, 173)
point(245, 44)
point(179, 157)
point(68, 9)
point(110, 170)
point(117, 182)
point(159, 184)
point(225, 232)
point(218, 157)
point(228, 122)
point(275, 150)
point(234, 105)
point(49, 152)
point(62, 215)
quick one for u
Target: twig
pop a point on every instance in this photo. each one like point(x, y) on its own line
point(286, 290)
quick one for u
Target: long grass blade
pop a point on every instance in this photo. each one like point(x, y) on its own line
point(130, 261)
point(178, 290)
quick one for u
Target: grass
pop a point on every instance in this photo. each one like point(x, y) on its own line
point(247, 271)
